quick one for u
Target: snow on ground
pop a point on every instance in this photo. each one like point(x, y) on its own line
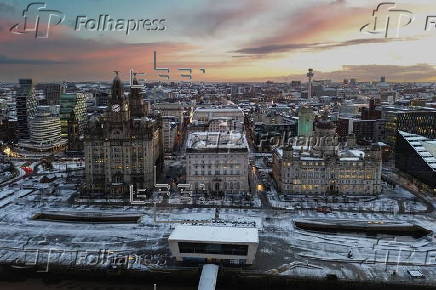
point(388, 202)
point(283, 249)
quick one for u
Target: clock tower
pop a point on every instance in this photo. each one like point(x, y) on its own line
point(118, 103)
point(122, 149)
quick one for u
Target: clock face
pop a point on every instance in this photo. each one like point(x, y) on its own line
point(116, 108)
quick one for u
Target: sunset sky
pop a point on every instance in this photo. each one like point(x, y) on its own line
point(234, 40)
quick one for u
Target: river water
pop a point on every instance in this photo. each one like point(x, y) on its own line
point(38, 284)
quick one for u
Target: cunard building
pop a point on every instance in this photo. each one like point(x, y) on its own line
point(324, 166)
point(122, 147)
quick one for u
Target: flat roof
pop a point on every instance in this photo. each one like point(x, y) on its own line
point(205, 140)
point(214, 234)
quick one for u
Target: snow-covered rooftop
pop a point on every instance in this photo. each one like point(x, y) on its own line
point(213, 140)
point(214, 234)
point(423, 146)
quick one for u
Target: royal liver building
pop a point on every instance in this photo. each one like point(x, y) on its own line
point(123, 146)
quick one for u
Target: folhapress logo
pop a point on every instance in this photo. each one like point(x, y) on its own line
point(38, 19)
point(387, 17)
point(106, 23)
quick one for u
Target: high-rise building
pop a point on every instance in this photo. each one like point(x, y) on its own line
point(25, 107)
point(369, 131)
point(120, 150)
point(45, 127)
point(371, 113)
point(421, 121)
point(69, 103)
point(306, 118)
point(73, 119)
point(309, 83)
point(101, 98)
point(52, 92)
point(416, 156)
point(7, 130)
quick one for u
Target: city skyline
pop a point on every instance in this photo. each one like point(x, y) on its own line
point(243, 41)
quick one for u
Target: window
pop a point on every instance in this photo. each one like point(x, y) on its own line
point(222, 249)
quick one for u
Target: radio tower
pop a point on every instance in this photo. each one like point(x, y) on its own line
point(309, 86)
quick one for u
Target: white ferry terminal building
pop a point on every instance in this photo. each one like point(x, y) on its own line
point(214, 244)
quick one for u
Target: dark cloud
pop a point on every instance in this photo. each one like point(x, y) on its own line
point(7, 60)
point(74, 58)
point(275, 48)
point(356, 42)
point(279, 48)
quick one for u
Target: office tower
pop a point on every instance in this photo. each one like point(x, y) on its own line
point(52, 92)
point(25, 107)
point(7, 130)
point(416, 156)
point(421, 121)
point(371, 113)
point(73, 117)
point(69, 103)
point(305, 121)
point(309, 84)
point(45, 127)
point(101, 98)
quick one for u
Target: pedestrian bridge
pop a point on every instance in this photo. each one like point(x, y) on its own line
point(208, 277)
